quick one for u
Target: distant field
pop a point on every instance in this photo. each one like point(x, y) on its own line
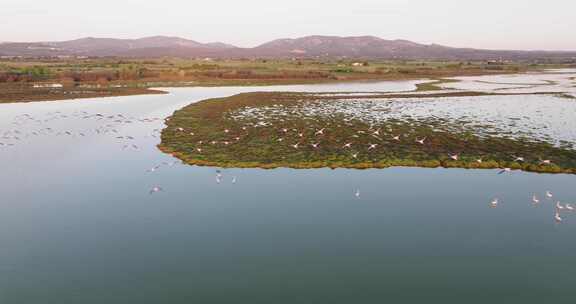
point(114, 77)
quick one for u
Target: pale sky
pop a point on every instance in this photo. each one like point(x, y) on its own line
point(495, 24)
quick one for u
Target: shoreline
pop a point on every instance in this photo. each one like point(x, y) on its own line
point(20, 93)
point(431, 164)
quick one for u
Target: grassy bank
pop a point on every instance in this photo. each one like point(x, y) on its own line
point(209, 134)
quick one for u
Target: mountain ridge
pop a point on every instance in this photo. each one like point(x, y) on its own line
point(309, 46)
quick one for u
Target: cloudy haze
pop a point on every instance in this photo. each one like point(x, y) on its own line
point(512, 24)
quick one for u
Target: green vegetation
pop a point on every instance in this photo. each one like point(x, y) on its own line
point(207, 133)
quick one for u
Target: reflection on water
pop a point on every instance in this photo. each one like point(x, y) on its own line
point(78, 223)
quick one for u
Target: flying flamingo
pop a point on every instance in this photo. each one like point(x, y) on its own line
point(494, 203)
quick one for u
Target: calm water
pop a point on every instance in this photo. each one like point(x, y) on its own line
point(78, 225)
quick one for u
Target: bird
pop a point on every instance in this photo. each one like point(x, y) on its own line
point(357, 193)
point(421, 141)
point(396, 138)
point(559, 206)
point(348, 145)
point(505, 170)
point(494, 203)
point(518, 159)
point(535, 199)
point(569, 207)
point(315, 146)
point(454, 156)
point(295, 146)
point(545, 162)
point(320, 132)
point(557, 217)
point(355, 155)
point(234, 179)
point(156, 189)
point(549, 194)
point(479, 161)
point(372, 146)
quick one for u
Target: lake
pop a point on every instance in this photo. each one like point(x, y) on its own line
point(78, 222)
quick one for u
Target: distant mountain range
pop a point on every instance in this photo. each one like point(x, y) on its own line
point(363, 47)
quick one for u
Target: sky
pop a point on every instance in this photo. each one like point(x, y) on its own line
point(491, 24)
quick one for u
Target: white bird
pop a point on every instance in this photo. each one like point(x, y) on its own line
point(421, 141)
point(295, 146)
point(569, 207)
point(396, 138)
point(348, 145)
point(518, 159)
point(494, 203)
point(479, 161)
point(320, 132)
point(545, 162)
point(315, 146)
point(155, 190)
point(559, 206)
point(357, 193)
point(535, 199)
point(355, 155)
point(557, 217)
point(549, 194)
point(505, 170)
point(234, 179)
point(454, 156)
point(372, 146)
point(377, 132)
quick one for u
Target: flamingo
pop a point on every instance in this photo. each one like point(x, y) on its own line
point(545, 162)
point(155, 189)
point(505, 170)
point(557, 217)
point(494, 203)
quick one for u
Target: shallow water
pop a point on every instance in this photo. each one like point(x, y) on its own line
point(543, 118)
point(549, 81)
point(78, 225)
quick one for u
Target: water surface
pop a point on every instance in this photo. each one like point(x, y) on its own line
point(78, 225)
